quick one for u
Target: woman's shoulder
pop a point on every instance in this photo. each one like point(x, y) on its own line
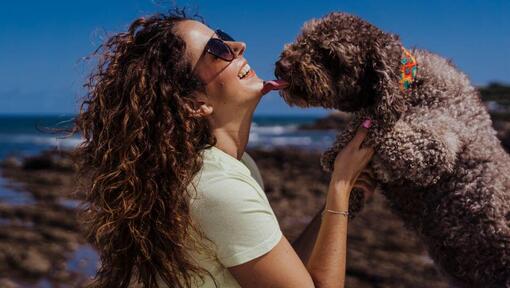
point(225, 180)
point(219, 167)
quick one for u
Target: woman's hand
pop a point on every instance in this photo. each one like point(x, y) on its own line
point(352, 159)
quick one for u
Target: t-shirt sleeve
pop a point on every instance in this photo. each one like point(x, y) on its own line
point(237, 220)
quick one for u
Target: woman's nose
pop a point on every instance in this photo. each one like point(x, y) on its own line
point(238, 48)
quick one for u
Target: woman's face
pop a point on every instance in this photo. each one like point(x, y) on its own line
point(225, 91)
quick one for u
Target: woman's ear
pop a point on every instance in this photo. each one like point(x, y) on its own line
point(199, 109)
point(198, 106)
point(205, 109)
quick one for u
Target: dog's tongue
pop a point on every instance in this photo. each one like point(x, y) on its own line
point(274, 85)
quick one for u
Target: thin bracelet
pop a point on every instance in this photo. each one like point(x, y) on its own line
point(345, 213)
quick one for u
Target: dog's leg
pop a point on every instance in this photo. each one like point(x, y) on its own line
point(422, 151)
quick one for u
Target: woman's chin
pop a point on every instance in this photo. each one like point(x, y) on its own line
point(253, 84)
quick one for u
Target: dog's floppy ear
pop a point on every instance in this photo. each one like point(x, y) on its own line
point(384, 64)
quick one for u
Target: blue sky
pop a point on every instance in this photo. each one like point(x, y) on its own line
point(41, 42)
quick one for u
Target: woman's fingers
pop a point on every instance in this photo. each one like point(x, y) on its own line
point(361, 133)
point(359, 136)
point(369, 151)
point(351, 160)
point(366, 154)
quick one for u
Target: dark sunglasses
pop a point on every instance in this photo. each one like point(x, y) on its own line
point(218, 48)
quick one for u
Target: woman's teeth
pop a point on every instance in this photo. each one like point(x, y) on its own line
point(244, 71)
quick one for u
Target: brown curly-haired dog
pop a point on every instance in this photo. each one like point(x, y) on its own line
point(437, 159)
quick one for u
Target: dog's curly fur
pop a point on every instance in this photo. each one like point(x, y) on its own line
point(437, 158)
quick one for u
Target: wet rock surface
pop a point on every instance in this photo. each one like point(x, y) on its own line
point(503, 129)
point(335, 120)
point(39, 238)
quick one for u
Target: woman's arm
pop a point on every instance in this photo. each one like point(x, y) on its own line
point(327, 261)
point(304, 243)
point(282, 267)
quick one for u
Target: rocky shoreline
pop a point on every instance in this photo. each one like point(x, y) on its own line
point(41, 243)
point(40, 240)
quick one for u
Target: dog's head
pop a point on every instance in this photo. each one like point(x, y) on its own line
point(341, 62)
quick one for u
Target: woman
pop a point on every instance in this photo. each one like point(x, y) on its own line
point(174, 199)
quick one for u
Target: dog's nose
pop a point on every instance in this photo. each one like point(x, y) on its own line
point(282, 67)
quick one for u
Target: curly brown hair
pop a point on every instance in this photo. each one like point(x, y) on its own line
point(141, 151)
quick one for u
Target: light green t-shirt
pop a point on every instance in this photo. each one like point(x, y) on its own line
point(232, 210)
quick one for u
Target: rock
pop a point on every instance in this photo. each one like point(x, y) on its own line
point(11, 162)
point(50, 160)
point(335, 120)
point(39, 162)
point(34, 262)
point(6, 283)
point(503, 128)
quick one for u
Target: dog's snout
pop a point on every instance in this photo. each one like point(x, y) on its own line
point(282, 67)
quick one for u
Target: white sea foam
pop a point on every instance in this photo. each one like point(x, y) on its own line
point(288, 135)
point(48, 140)
point(273, 129)
point(295, 141)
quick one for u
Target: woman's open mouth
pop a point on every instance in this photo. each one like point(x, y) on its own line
point(245, 72)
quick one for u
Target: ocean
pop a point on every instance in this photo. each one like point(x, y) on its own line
point(29, 135)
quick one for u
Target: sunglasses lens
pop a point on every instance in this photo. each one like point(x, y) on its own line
point(219, 48)
point(224, 36)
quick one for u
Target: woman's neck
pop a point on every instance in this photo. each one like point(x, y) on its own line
point(232, 136)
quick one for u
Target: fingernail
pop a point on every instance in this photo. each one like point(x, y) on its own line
point(367, 123)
